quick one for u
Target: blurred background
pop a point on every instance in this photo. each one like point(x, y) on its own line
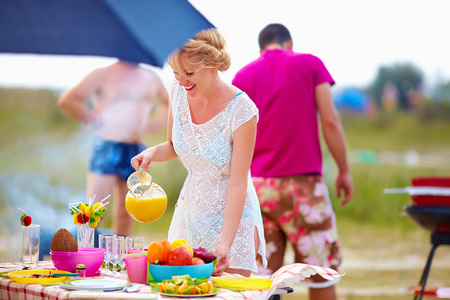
point(390, 62)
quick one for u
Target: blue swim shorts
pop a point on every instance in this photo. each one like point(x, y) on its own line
point(114, 158)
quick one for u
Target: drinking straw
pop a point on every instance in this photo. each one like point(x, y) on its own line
point(75, 208)
point(82, 234)
point(28, 236)
point(90, 232)
point(87, 231)
point(102, 205)
point(105, 198)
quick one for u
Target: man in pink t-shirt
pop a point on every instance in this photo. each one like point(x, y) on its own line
point(290, 90)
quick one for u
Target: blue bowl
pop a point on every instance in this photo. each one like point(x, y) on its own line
point(160, 273)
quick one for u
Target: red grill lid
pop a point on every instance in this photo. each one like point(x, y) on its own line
point(431, 181)
point(430, 200)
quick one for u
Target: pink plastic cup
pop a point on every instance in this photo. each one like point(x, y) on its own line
point(137, 268)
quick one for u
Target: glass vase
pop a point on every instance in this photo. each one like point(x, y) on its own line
point(85, 236)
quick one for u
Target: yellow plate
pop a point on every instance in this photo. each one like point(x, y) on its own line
point(24, 276)
point(243, 282)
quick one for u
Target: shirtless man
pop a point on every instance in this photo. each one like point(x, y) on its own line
point(123, 96)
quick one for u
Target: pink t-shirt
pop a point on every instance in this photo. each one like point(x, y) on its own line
point(282, 85)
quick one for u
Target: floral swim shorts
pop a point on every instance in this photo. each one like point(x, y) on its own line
point(298, 209)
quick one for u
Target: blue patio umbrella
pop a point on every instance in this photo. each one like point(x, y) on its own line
point(143, 31)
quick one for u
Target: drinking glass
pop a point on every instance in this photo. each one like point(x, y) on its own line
point(85, 235)
point(117, 249)
point(30, 245)
point(138, 243)
point(103, 241)
point(109, 258)
point(123, 273)
point(128, 244)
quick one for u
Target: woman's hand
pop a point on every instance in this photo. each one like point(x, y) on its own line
point(223, 259)
point(143, 159)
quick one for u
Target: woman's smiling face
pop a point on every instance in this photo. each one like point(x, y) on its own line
point(193, 77)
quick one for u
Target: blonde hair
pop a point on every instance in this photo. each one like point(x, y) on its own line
point(206, 49)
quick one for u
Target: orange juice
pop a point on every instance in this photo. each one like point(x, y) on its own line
point(145, 210)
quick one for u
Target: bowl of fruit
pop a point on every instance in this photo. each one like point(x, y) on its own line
point(167, 260)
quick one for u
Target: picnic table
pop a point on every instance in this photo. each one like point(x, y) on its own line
point(283, 278)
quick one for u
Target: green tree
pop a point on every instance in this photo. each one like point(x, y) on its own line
point(404, 77)
point(442, 92)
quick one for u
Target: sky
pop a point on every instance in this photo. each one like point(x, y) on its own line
point(352, 37)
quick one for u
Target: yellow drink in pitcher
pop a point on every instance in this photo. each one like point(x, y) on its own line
point(145, 210)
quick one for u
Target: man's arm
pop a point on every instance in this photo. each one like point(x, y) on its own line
point(73, 100)
point(333, 133)
point(157, 121)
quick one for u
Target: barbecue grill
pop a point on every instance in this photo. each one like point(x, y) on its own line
point(431, 211)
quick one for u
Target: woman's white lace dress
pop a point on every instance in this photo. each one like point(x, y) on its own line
point(205, 150)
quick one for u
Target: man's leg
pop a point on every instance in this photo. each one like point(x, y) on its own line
point(122, 221)
point(315, 247)
point(327, 293)
point(268, 191)
point(101, 186)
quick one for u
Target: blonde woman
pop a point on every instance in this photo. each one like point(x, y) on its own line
point(212, 129)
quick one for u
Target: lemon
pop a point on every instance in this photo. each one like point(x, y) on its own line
point(145, 210)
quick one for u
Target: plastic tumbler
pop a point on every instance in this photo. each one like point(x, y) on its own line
point(136, 268)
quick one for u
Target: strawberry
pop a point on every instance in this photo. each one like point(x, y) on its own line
point(25, 220)
point(82, 218)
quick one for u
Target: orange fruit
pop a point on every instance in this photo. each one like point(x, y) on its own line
point(170, 288)
point(206, 287)
point(162, 287)
point(186, 289)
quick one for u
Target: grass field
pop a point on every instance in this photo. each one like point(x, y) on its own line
point(43, 161)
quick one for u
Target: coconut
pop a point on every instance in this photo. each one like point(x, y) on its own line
point(64, 241)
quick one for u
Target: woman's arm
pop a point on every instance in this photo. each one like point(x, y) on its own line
point(158, 153)
point(243, 146)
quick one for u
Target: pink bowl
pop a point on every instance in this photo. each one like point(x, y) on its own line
point(92, 258)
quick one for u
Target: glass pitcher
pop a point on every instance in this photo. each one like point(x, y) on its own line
point(146, 201)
